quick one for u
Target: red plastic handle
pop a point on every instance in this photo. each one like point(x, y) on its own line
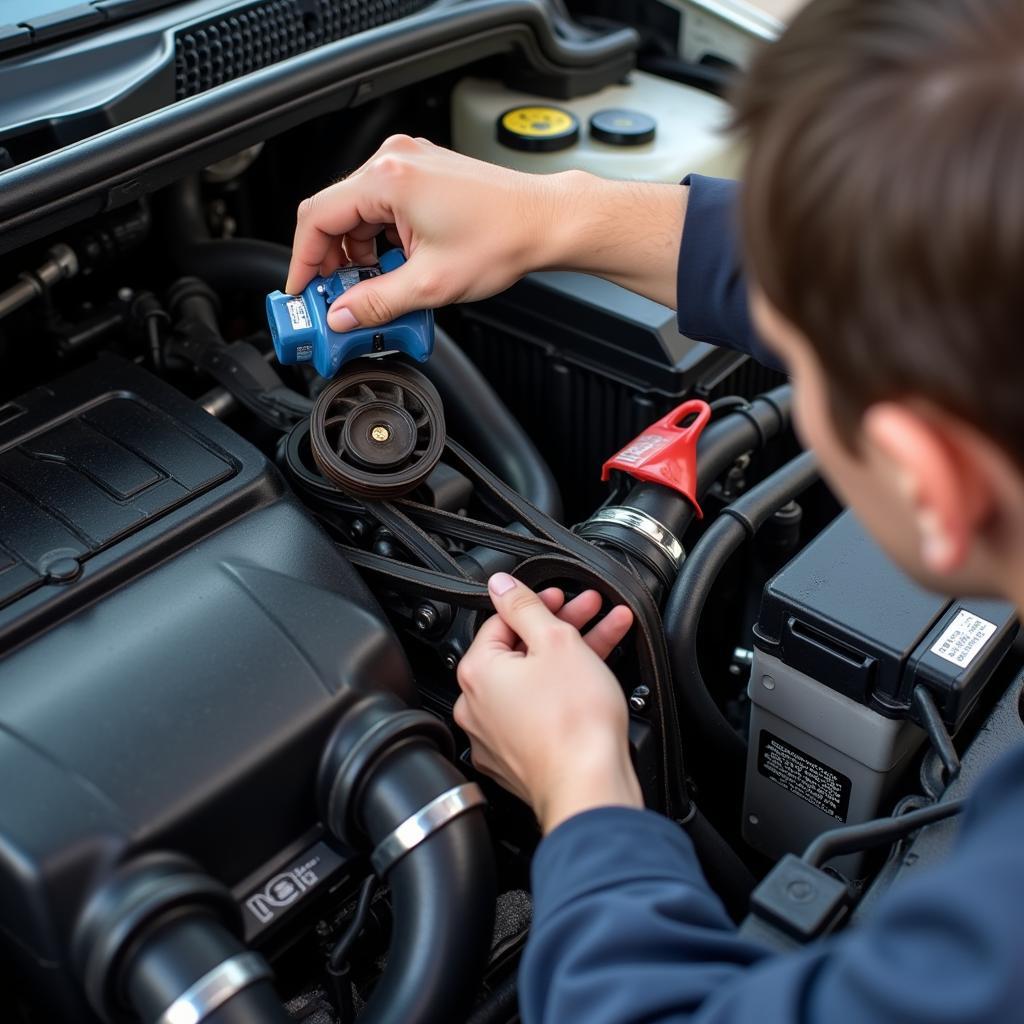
point(666, 453)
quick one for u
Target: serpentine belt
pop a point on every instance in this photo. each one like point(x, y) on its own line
point(551, 552)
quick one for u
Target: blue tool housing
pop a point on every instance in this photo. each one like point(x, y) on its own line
point(298, 324)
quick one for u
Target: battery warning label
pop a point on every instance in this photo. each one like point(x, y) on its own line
point(804, 776)
point(963, 638)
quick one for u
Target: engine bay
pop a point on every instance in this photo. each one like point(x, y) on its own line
point(234, 592)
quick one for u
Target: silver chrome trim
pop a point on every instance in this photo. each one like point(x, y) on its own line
point(215, 988)
point(424, 823)
point(638, 521)
point(743, 15)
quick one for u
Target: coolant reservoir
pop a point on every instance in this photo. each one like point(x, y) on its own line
point(648, 129)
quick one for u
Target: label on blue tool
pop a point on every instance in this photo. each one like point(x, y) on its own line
point(299, 314)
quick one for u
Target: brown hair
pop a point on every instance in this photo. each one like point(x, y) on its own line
point(883, 205)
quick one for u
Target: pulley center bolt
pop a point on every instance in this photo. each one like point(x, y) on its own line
point(380, 433)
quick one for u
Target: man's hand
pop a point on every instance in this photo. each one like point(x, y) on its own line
point(545, 715)
point(470, 229)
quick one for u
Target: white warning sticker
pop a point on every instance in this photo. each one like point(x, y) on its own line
point(963, 638)
point(299, 314)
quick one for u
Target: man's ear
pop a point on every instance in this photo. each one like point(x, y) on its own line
point(941, 472)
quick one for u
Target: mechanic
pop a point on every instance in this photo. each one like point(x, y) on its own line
point(883, 234)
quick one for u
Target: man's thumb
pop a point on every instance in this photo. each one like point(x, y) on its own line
point(520, 608)
point(377, 301)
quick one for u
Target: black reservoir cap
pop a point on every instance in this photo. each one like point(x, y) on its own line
point(842, 613)
point(619, 127)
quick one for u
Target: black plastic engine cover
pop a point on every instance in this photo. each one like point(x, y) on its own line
point(177, 639)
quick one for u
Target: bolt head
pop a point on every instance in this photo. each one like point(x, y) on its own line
point(638, 698)
point(424, 618)
point(380, 433)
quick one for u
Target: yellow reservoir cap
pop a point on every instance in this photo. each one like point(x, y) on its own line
point(538, 129)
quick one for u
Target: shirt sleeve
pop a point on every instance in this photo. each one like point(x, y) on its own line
point(711, 290)
point(627, 931)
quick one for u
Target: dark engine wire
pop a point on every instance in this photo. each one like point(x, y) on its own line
point(341, 948)
point(880, 832)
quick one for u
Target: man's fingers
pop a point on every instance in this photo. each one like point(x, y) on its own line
point(344, 208)
point(581, 609)
point(385, 298)
point(496, 635)
point(554, 601)
point(523, 611)
point(361, 244)
point(321, 220)
point(608, 633)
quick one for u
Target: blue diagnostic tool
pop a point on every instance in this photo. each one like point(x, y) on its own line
point(298, 324)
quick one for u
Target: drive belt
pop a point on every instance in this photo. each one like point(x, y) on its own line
point(549, 553)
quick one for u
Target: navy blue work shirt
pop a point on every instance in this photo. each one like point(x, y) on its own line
point(627, 931)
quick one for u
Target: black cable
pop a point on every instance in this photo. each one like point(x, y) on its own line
point(341, 948)
point(926, 714)
point(872, 834)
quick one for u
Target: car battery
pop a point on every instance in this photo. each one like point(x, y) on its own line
point(842, 641)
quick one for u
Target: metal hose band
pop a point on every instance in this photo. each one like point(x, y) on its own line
point(215, 988)
point(423, 824)
point(640, 522)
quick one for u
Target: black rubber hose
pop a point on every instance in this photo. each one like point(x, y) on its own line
point(176, 955)
point(239, 264)
point(442, 892)
point(725, 440)
point(473, 409)
point(685, 605)
point(476, 413)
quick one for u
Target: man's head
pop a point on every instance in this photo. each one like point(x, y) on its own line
point(883, 216)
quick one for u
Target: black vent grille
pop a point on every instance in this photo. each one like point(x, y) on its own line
point(256, 35)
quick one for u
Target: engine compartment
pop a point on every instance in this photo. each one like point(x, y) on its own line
point(226, 681)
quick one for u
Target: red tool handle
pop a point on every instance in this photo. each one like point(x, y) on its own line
point(666, 453)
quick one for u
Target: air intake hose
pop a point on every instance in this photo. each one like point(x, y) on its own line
point(387, 788)
point(194, 969)
point(159, 941)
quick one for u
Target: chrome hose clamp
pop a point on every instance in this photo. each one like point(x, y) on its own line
point(215, 988)
point(639, 522)
point(424, 823)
